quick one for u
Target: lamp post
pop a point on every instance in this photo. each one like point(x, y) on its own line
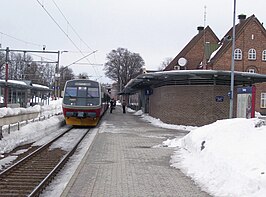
point(231, 93)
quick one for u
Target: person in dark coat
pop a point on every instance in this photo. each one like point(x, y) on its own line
point(112, 105)
point(124, 106)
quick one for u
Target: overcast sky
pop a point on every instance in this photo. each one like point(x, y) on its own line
point(156, 29)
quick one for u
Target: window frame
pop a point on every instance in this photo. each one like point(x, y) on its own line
point(263, 100)
point(238, 54)
point(263, 56)
point(252, 54)
point(251, 70)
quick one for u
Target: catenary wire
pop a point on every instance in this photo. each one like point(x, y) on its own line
point(71, 25)
point(63, 31)
point(20, 40)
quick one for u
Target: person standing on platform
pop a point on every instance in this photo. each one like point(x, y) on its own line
point(124, 106)
point(112, 105)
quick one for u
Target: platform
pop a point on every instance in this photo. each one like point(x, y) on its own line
point(125, 160)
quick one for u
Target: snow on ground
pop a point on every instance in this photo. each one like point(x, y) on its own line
point(38, 132)
point(225, 158)
point(159, 123)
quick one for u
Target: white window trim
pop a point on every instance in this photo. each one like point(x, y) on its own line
point(264, 55)
point(251, 70)
point(238, 54)
point(252, 54)
point(263, 100)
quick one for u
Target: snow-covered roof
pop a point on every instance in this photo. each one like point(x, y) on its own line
point(191, 77)
point(23, 84)
point(40, 86)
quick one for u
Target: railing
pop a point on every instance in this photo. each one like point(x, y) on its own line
point(14, 122)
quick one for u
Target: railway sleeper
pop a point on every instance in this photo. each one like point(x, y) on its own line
point(36, 167)
point(25, 178)
point(15, 193)
point(18, 182)
point(17, 187)
point(30, 172)
point(45, 160)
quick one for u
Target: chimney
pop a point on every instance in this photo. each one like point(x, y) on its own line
point(242, 18)
point(200, 28)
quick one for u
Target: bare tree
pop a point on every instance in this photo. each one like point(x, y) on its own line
point(2, 65)
point(65, 75)
point(122, 66)
point(165, 63)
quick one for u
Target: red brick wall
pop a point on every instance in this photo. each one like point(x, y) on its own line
point(189, 105)
point(246, 41)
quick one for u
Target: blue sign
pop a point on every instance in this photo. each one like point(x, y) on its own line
point(148, 91)
point(219, 98)
point(244, 90)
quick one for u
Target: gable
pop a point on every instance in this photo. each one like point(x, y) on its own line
point(249, 34)
point(193, 52)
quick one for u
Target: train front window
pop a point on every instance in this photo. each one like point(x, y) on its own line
point(82, 91)
point(82, 96)
point(71, 91)
point(93, 92)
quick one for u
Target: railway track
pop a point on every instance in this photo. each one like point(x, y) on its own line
point(31, 175)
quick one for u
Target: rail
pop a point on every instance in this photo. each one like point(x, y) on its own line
point(31, 175)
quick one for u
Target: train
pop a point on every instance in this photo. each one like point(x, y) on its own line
point(84, 102)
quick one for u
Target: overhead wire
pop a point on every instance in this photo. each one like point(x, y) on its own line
point(20, 40)
point(63, 30)
point(46, 58)
point(58, 24)
point(71, 25)
point(56, 5)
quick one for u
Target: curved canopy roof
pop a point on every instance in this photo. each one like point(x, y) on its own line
point(191, 77)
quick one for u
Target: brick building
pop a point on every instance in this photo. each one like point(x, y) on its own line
point(249, 55)
point(193, 89)
point(192, 55)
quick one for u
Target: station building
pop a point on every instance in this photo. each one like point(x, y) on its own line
point(195, 97)
point(193, 89)
point(206, 51)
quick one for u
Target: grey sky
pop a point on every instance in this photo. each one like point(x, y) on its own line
point(156, 29)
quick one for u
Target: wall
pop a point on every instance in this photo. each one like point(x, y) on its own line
point(251, 37)
point(190, 105)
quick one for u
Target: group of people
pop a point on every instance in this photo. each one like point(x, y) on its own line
point(113, 104)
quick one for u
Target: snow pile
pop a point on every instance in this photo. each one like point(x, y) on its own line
point(6, 111)
point(226, 158)
point(159, 123)
point(55, 107)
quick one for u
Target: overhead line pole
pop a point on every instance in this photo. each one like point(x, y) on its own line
point(7, 50)
point(6, 79)
point(231, 94)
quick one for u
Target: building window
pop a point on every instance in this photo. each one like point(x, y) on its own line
point(263, 100)
point(264, 55)
point(251, 70)
point(252, 54)
point(238, 54)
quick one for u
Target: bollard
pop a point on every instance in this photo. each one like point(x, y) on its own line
point(18, 125)
point(8, 129)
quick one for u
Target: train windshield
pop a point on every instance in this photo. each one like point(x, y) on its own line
point(81, 96)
